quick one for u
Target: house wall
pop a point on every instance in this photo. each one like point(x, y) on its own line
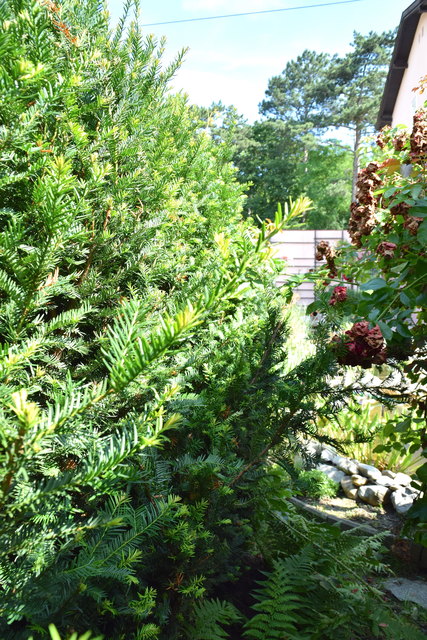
point(407, 101)
point(298, 249)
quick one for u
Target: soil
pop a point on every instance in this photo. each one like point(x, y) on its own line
point(383, 519)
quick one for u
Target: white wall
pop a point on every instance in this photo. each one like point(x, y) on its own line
point(407, 101)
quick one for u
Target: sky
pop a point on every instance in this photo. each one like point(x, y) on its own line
point(231, 59)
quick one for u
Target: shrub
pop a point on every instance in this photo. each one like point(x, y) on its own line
point(388, 261)
point(142, 339)
point(143, 381)
point(316, 484)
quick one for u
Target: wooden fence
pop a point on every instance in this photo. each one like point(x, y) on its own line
point(298, 248)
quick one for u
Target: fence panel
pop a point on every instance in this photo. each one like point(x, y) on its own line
point(298, 249)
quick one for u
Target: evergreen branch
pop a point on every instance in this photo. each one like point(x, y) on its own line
point(284, 424)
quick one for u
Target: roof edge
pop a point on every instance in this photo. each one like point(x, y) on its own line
point(399, 61)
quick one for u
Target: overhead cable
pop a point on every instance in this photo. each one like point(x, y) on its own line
point(252, 13)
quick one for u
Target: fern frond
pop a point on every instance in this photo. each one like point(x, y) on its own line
point(281, 607)
point(210, 618)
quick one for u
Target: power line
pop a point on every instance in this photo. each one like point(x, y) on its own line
point(253, 13)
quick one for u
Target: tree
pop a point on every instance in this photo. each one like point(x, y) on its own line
point(360, 77)
point(280, 163)
point(143, 383)
point(325, 179)
point(220, 121)
point(141, 337)
point(302, 95)
point(314, 93)
point(266, 157)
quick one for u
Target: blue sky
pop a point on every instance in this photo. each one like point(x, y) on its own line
point(232, 59)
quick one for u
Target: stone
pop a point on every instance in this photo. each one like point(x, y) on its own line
point(327, 455)
point(389, 474)
point(398, 487)
point(386, 481)
point(348, 466)
point(369, 471)
point(332, 472)
point(358, 481)
point(402, 500)
point(402, 479)
point(348, 487)
point(374, 476)
point(313, 448)
point(405, 589)
point(373, 494)
point(364, 468)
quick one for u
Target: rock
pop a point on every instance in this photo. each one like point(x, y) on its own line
point(375, 476)
point(332, 472)
point(327, 455)
point(348, 487)
point(373, 494)
point(398, 487)
point(409, 492)
point(412, 590)
point(402, 479)
point(312, 447)
point(369, 471)
point(364, 468)
point(402, 500)
point(389, 474)
point(386, 482)
point(348, 466)
point(358, 481)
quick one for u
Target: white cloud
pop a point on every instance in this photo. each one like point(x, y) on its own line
point(205, 87)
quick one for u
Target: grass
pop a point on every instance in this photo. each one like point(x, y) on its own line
point(361, 429)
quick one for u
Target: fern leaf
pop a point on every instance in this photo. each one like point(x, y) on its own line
point(210, 617)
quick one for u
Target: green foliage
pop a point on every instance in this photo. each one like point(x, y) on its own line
point(74, 636)
point(360, 76)
point(209, 616)
point(325, 178)
point(142, 374)
point(315, 484)
point(279, 605)
point(302, 94)
point(319, 592)
point(387, 224)
point(143, 343)
point(287, 154)
point(366, 431)
point(279, 161)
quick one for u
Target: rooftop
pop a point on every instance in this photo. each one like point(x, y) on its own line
point(399, 61)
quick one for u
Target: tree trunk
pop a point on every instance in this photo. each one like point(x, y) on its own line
point(357, 138)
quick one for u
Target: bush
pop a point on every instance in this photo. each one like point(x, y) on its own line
point(143, 381)
point(142, 339)
point(388, 262)
point(316, 484)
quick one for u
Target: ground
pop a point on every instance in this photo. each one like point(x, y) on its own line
point(383, 519)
